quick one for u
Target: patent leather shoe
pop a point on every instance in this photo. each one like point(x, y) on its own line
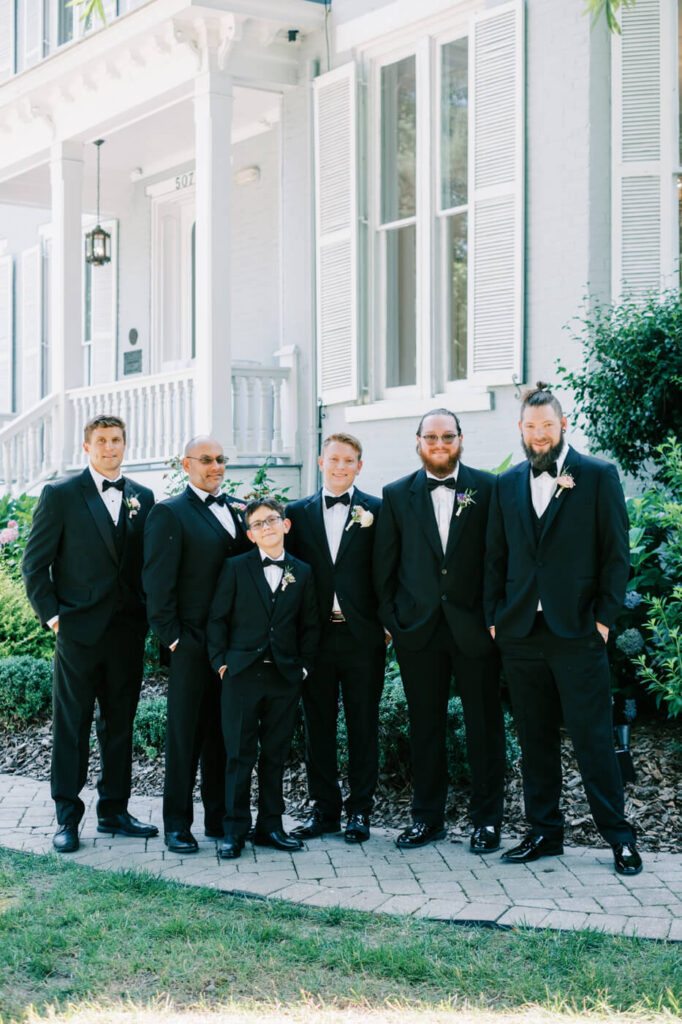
point(124, 824)
point(357, 828)
point(532, 848)
point(419, 834)
point(232, 847)
point(626, 859)
point(485, 839)
point(316, 825)
point(181, 842)
point(65, 839)
point(278, 839)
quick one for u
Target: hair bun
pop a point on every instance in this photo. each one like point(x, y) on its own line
point(541, 385)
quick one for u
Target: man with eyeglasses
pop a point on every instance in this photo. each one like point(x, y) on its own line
point(428, 573)
point(187, 539)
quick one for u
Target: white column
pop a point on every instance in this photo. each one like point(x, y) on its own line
point(66, 286)
point(213, 129)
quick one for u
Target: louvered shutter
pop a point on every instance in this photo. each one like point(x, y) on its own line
point(104, 313)
point(336, 195)
point(6, 39)
point(33, 32)
point(496, 160)
point(640, 203)
point(31, 327)
point(6, 335)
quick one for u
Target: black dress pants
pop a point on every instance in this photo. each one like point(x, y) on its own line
point(193, 738)
point(108, 673)
point(343, 664)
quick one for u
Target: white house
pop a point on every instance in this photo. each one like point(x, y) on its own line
point(323, 216)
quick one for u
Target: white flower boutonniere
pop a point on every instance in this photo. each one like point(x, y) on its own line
point(239, 505)
point(360, 515)
point(133, 506)
point(464, 500)
point(287, 578)
point(565, 482)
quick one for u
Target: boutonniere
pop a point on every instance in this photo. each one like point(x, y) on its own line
point(287, 578)
point(133, 506)
point(239, 505)
point(464, 500)
point(565, 482)
point(360, 515)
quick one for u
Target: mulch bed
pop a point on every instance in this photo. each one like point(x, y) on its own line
point(653, 801)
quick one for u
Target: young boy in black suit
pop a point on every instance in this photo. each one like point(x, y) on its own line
point(262, 638)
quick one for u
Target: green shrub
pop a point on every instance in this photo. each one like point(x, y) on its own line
point(20, 631)
point(661, 667)
point(20, 511)
point(25, 691)
point(149, 728)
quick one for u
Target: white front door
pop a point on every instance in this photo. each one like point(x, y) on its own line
point(173, 247)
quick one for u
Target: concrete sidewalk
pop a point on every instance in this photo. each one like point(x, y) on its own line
point(443, 880)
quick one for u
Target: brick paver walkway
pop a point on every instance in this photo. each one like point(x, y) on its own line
point(443, 880)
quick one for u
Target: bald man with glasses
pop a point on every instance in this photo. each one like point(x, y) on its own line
point(187, 539)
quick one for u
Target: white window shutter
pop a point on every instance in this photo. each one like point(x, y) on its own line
point(6, 335)
point(31, 326)
point(104, 313)
point(496, 176)
point(33, 33)
point(7, 9)
point(336, 226)
point(640, 203)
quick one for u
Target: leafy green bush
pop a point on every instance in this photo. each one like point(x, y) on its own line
point(20, 631)
point(149, 727)
point(20, 512)
point(661, 668)
point(25, 691)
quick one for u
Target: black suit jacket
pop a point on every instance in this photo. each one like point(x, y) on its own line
point(247, 619)
point(350, 577)
point(415, 580)
point(71, 567)
point(580, 566)
point(184, 550)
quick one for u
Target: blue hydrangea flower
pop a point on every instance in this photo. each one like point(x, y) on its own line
point(632, 599)
point(630, 642)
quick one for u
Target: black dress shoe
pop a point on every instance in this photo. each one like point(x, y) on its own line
point(232, 847)
point(532, 848)
point(181, 842)
point(65, 839)
point(124, 824)
point(357, 828)
point(485, 839)
point(626, 859)
point(316, 825)
point(419, 834)
point(278, 839)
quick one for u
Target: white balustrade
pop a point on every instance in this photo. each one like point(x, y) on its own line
point(26, 444)
point(259, 394)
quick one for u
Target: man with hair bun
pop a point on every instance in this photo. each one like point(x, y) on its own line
point(557, 565)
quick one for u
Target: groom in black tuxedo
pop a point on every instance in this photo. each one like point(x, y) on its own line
point(334, 532)
point(557, 566)
point(187, 539)
point(81, 568)
point(428, 572)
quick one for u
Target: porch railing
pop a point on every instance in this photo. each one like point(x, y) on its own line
point(28, 452)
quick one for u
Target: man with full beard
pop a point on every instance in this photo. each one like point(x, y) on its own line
point(428, 573)
point(557, 566)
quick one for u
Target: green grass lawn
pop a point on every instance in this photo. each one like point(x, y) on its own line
point(86, 942)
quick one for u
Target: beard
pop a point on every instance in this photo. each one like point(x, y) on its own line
point(440, 469)
point(543, 460)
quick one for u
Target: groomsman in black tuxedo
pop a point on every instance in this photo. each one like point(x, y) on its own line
point(557, 567)
point(334, 532)
point(187, 539)
point(81, 568)
point(262, 638)
point(428, 572)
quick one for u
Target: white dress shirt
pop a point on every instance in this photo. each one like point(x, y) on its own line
point(543, 488)
point(273, 573)
point(443, 499)
point(112, 497)
point(221, 512)
point(334, 525)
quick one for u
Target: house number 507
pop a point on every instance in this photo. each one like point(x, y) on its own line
point(184, 180)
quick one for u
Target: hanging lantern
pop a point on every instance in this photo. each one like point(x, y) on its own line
point(98, 241)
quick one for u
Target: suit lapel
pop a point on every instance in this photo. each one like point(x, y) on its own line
point(99, 513)
point(315, 517)
point(255, 564)
point(350, 532)
point(523, 500)
point(559, 498)
point(206, 513)
point(457, 522)
point(424, 515)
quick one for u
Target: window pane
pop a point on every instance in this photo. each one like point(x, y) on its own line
point(454, 123)
point(456, 268)
point(398, 140)
point(401, 307)
point(65, 27)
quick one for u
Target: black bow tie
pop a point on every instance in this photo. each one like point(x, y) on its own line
point(433, 484)
point(330, 500)
point(216, 499)
point(552, 470)
point(273, 561)
point(118, 484)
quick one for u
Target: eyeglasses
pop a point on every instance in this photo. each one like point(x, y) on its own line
point(208, 460)
point(435, 438)
point(262, 523)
